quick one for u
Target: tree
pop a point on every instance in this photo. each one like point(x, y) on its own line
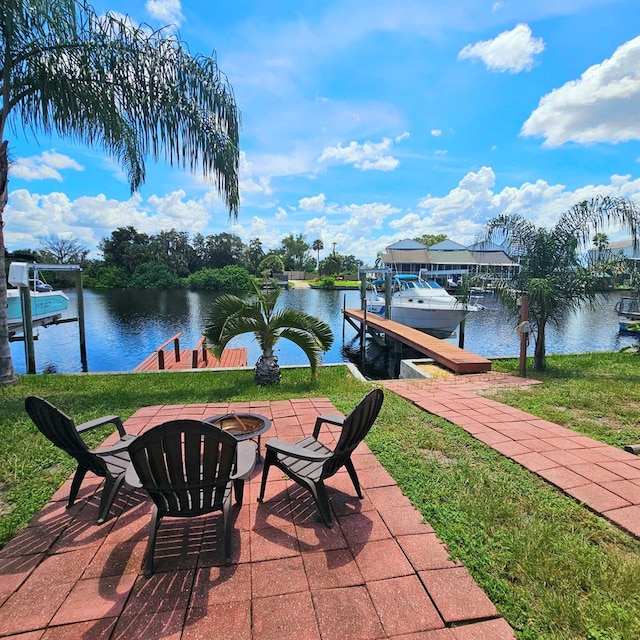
point(64, 250)
point(231, 316)
point(318, 246)
point(553, 273)
point(294, 252)
point(171, 249)
point(126, 248)
point(252, 256)
point(429, 239)
point(270, 264)
point(99, 79)
point(331, 265)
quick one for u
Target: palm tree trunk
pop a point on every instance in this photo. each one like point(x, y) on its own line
point(7, 374)
point(267, 372)
point(539, 354)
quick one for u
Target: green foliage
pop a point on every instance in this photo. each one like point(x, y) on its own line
point(553, 273)
point(152, 275)
point(429, 239)
point(327, 281)
point(270, 264)
point(228, 278)
point(106, 277)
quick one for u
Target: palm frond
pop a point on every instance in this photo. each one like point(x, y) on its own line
point(308, 344)
point(136, 92)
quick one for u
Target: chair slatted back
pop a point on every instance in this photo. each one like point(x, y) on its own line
point(60, 429)
point(185, 466)
point(355, 427)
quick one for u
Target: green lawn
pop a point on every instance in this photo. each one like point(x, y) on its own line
point(553, 569)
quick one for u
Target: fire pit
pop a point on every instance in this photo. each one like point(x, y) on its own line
point(242, 426)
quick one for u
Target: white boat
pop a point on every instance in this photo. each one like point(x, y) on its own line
point(628, 310)
point(421, 304)
point(47, 304)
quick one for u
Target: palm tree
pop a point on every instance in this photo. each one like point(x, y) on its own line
point(231, 316)
point(103, 81)
point(553, 273)
point(318, 246)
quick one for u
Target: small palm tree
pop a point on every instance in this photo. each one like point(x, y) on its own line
point(231, 316)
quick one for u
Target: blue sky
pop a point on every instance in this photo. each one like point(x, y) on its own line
point(366, 122)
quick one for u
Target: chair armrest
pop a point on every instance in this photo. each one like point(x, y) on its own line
point(99, 422)
point(246, 460)
point(121, 445)
point(329, 418)
point(296, 450)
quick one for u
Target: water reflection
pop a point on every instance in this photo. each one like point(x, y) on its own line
point(124, 326)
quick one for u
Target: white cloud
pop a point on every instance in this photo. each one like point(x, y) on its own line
point(46, 166)
point(441, 152)
point(496, 6)
point(511, 51)
point(280, 214)
point(368, 156)
point(436, 132)
point(166, 11)
point(602, 106)
point(313, 203)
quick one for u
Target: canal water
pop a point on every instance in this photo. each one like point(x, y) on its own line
point(124, 326)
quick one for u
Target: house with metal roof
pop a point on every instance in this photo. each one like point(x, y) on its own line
point(447, 261)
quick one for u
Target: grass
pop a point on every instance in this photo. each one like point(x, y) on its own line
point(597, 394)
point(553, 569)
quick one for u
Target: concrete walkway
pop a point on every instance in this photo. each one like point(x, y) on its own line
point(379, 573)
point(606, 479)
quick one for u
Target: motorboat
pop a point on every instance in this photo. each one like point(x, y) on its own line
point(47, 304)
point(628, 310)
point(421, 304)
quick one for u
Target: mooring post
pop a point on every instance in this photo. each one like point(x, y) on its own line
point(27, 327)
point(387, 295)
point(82, 336)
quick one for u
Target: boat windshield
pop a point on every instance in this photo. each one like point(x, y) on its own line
point(417, 283)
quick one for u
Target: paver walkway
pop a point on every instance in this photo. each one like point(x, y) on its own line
point(379, 573)
point(606, 479)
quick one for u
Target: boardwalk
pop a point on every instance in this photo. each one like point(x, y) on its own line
point(169, 356)
point(452, 357)
point(604, 478)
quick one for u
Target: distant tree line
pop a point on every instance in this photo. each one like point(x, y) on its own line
point(172, 259)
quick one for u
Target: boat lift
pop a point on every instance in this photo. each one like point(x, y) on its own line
point(20, 278)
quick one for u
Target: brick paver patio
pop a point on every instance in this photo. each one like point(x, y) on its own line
point(606, 479)
point(379, 573)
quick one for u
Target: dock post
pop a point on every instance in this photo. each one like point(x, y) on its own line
point(81, 329)
point(387, 295)
point(27, 324)
point(176, 348)
point(524, 336)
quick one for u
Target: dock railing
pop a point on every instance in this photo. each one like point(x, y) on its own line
point(176, 347)
point(200, 348)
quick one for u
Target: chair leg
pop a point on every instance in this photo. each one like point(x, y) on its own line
point(354, 477)
point(226, 525)
point(265, 472)
point(238, 489)
point(151, 545)
point(319, 492)
point(75, 484)
point(109, 491)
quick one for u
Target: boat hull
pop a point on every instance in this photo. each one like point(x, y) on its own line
point(44, 305)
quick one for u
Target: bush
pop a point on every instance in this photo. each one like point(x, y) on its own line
point(327, 282)
point(106, 277)
point(229, 278)
point(151, 275)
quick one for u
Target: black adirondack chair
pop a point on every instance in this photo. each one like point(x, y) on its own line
point(188, 468)
point(309, 462)
point(109, 463)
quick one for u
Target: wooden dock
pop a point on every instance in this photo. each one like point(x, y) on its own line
point(448, 355)
point(169, 356)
